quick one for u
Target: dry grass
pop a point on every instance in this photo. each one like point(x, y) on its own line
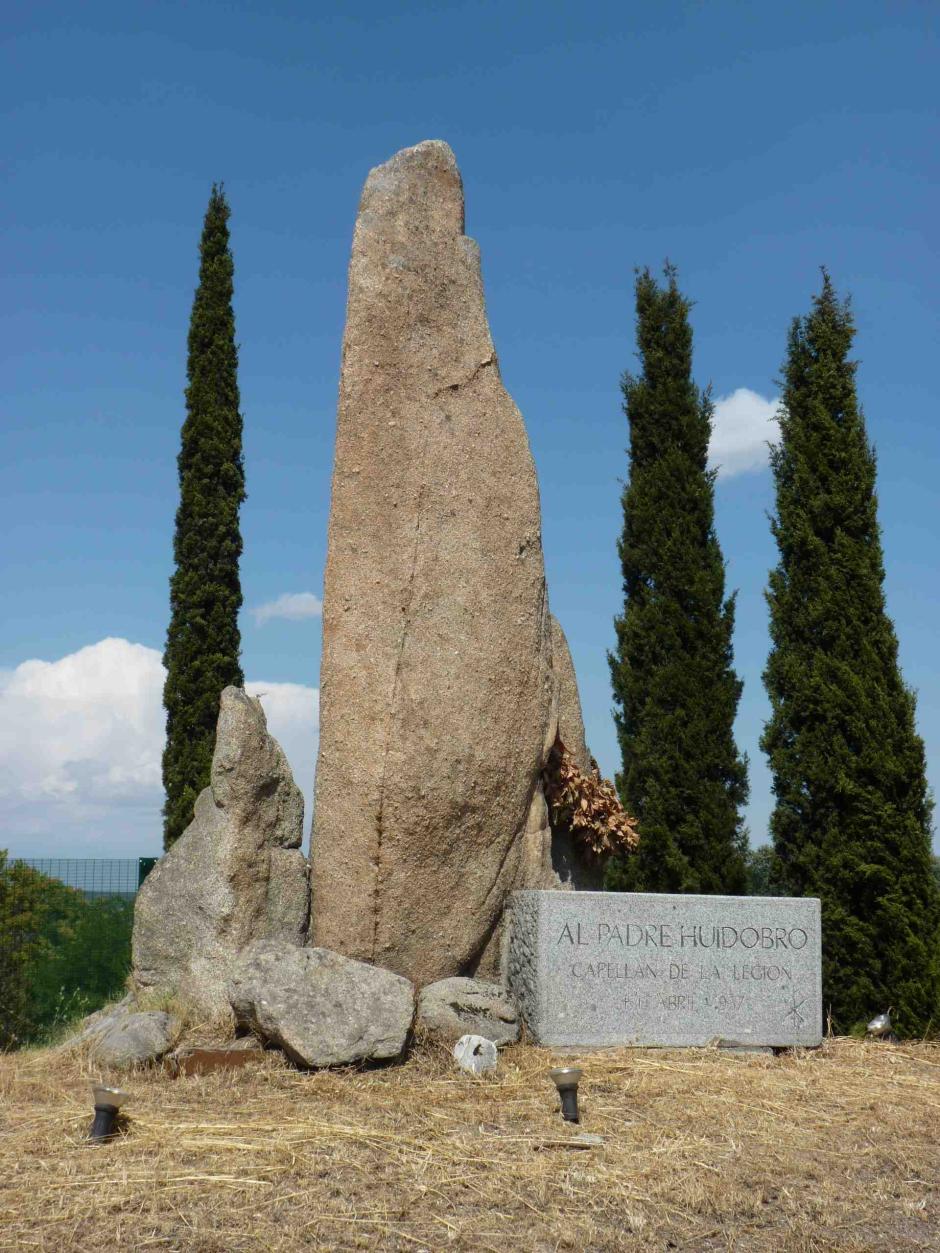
point(837, 1149)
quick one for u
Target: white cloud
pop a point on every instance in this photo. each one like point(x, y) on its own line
point(743, 424)
point(85, 725)
point(292, 605)
point(80, 746)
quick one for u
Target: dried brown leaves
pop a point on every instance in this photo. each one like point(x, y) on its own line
point(587, 805)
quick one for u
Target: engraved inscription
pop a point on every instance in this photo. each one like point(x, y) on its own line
point(793, 1014)
point(668, 935)
point(611, 936)
point(646, 968)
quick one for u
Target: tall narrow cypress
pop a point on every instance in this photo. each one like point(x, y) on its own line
point(203, 641)
point(675, 691)
point(851, 822)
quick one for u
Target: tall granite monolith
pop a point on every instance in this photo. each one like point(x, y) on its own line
point(437, 703)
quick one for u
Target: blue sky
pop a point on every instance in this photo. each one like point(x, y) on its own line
point(747, 143)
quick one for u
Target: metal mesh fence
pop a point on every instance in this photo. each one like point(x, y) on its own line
point(94, 876)
point(65, 938)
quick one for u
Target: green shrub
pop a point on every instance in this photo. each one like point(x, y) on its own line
point(62, 954)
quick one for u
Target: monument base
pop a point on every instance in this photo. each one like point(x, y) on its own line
point(593, 969)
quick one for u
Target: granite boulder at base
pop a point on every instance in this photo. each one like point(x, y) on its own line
point(321, 1008)
point(606, 968)
point(437, 697)
point(95, 1025)
point(136, 1039)
point(455, 1007)
point(235, 875)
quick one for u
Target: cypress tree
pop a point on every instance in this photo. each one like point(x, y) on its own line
point(851, 822)
point(203, 641)
point(675, 691)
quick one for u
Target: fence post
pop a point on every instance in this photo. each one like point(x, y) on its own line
point(144, 867)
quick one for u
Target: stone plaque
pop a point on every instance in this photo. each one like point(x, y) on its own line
point(602, 968)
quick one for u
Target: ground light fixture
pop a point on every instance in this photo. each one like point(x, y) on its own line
point(566, 1080)
point(880, 1028)
point(107, 1103)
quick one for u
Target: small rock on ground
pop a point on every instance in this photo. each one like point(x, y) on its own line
point(101, 1021)
point(475, 1055)
point(455, 1007)
point(136, 1039)
point(321, 1008)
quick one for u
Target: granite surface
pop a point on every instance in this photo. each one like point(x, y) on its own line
point(437, 692)
point(604, 968)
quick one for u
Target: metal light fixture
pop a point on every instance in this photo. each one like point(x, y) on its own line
point(880, 1028)
point(566, 1080)
point(107, 1103)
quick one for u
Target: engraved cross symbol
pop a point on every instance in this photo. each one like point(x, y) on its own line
point(794, 1011)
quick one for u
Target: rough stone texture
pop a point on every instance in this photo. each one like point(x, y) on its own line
point(436, 687)
point(606, 968)
point(102, 1020)
point(456, 1007)
point(475, 1054)
point(573, 866)
point(568, 699)
point(236, 875)
point(321, 1008)
point(136, 1039)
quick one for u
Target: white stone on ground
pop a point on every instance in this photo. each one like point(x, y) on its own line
point(475, 1054)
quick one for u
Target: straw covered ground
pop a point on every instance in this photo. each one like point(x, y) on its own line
point(834, 1149)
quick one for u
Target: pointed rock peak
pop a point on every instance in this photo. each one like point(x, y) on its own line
point(235, 875)
point(417, 195)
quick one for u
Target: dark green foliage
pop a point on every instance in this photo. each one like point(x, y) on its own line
point(760, 872)
point(851, 822)
point(62, 954)
point(675, 691)
point(203, 641)
point(18, 926)
point(87, 959)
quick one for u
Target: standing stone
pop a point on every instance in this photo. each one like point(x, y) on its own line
point(574, 866)
point(436, 687)
point(570, 719)
point(234, 876)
